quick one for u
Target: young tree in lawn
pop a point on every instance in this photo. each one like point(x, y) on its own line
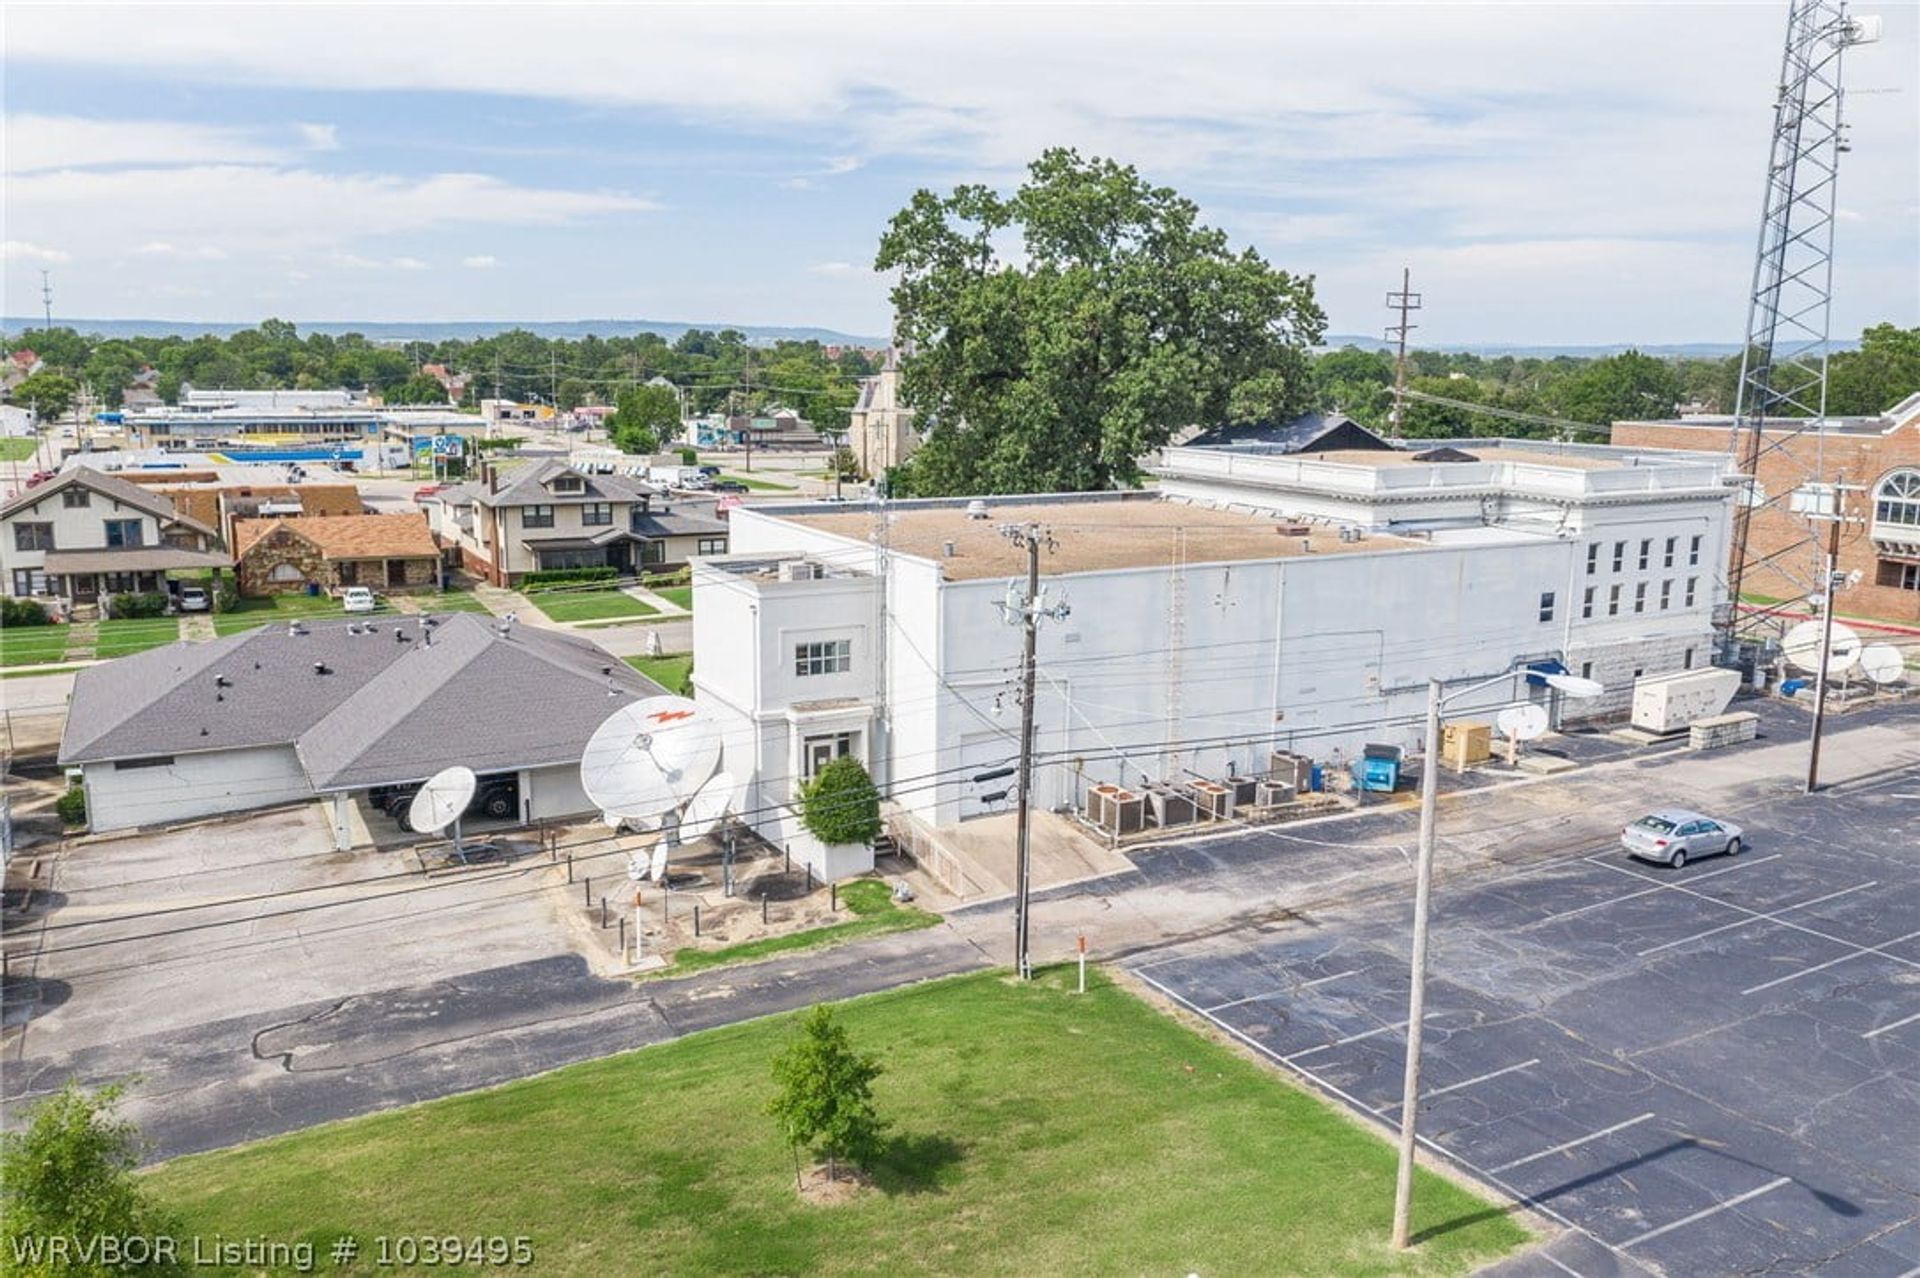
point(49, 395)
point(1120, 320)
point(69, 1173)
point(825, 1096)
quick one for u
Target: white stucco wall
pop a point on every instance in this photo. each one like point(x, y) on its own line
point(193, 785)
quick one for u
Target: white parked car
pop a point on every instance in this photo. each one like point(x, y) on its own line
point(357, 599)
point(193, 599)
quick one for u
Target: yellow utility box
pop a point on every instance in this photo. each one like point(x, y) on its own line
point(1463, 744)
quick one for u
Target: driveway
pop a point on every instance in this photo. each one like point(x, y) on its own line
point(159, 932)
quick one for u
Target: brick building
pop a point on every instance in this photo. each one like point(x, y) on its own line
point(1878, 456)
point(391, 553)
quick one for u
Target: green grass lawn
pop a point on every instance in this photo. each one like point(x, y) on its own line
point(670, 671)
point(261, 611)
point(762, 485)
point(681, 595)
point(18, 447)
point(32, 645)
point(869, 901)
point(134, 634)
point(590, 605)
point(451, 601)
point(1035, 1131)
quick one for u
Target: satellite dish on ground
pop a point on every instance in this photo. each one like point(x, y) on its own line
point(649, 757)
point(709, 805)
point(658, 870)
point(439, 802)
point(1521, 723)
point(1802, 646)
point(1883, 662)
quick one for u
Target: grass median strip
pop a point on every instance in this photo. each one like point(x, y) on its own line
point(595, 605)
point(1034, 1130)
point(670, 672)
point(870, 901)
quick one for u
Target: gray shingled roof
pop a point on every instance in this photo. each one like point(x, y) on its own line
point(526, 486)
point(387, 712)
point(153, 503)
point(1307, 433)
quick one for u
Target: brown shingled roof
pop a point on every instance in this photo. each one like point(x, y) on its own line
point(347, 536)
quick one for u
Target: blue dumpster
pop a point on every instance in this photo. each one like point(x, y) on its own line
point(1377, 769)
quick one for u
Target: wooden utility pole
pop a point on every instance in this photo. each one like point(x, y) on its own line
point(1404, 301)
point(1830, 593)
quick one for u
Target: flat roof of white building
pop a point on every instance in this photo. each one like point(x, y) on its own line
point(1137, 530)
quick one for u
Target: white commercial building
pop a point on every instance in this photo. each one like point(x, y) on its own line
point(1261, 600)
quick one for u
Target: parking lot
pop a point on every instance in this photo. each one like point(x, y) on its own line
point(1704, 1071)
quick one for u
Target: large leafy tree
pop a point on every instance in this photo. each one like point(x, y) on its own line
point(1884, 371)
point(1620, 387)
point(825, 1096)
point(50, 395)
point(1061, 332)
point(643, 416)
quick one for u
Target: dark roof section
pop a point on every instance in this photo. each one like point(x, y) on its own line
point(156, 504)
point(1308, 433)
point(386, 712)
point(532, 486)
point(667, 522)
point(1445, 454)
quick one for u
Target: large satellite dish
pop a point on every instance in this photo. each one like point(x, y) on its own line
point(439, 803)
point(1882, 662)
point(1521, 723)
point(709, 805)
point(649, 757)
point(1802, 646)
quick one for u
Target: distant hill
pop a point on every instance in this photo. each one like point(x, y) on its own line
point(446, 330)
point(1669, 350)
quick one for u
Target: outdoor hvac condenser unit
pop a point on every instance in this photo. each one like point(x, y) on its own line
point(1212, 799)
point(1097, 796)
point(1169, 807)
point(1126, 812)
point(1295, 770)
point(1671, 702)
point(1246, 791)
point(1270, 794)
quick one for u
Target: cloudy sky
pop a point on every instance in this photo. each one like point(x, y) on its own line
point(1551, 173)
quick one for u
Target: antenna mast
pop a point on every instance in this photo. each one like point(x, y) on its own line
point(1404, 301)
point(1783, 364)
point(46, 300)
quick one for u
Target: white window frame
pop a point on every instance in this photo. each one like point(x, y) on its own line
point(822, 657)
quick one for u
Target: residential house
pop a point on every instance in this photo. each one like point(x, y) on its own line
point(455, 383)
point(84, 534)
point(392, 553)
point(143, 391)
point(334, 708)
point(517, 520)
point(18, 367)
point(217, 495)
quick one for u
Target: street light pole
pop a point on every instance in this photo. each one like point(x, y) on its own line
point(1417, 997)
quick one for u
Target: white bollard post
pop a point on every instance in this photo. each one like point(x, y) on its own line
point(1083, 964)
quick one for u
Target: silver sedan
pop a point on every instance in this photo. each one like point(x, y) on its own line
point(1672, 836)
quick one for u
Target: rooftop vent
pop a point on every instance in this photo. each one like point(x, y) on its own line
point(322, 668)
point(221, 681)
point(800, 570)
point(951, 549)
point(976, 509)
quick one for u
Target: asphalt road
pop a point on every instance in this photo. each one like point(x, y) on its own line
point(1707, 1071)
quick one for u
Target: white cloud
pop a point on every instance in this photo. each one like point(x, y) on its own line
point(318, 137)
point(832, 268)
point(359, 262)
point(37, 142)
point(203, 253)
point(22, 251)
point(840, 164)
point(480, 262)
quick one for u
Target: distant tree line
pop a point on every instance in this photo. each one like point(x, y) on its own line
point(716, 371)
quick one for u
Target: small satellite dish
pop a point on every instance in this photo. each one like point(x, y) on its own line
point(439, 803)
point(1882, 662)
point(709, 805)
point(1802, 647)
point(649, 757)
point(1521, 723)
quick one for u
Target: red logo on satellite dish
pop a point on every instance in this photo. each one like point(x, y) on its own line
point(670, 716)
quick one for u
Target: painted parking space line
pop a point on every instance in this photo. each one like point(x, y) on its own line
point(1355, 1038)
point(1860, 952)
point(1265, 994)
point(1880, 949)
point(1875, 1033)
point(1770, 916)
point(1659, 887)
point(1705, 1212)
point(1454, 1087)
point(1579, 1140)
